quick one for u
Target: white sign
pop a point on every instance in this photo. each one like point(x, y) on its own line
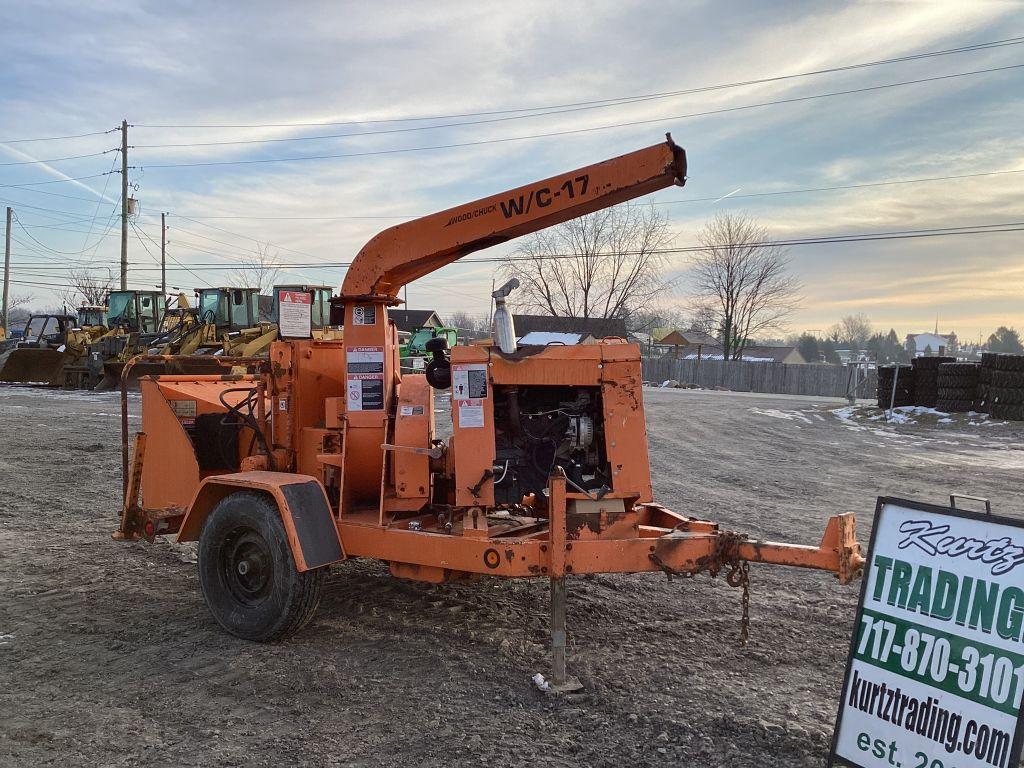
point(471, 413)
point(469, 381)
point(294, 314)
point(365, 359)
point(936, 669)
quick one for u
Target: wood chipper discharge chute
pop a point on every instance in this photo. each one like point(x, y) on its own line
point(329, 452)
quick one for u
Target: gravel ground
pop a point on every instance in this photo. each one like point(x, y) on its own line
point(108, 657)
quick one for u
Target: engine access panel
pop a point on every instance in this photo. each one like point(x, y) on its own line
point(516, 417)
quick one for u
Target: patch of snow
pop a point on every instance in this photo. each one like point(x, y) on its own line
point(775, 413)
point(540, 682)
point(844, 414)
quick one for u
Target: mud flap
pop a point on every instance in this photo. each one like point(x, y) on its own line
point(314, 524)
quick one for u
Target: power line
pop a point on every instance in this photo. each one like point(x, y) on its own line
point(615, 101)
point(573, 131)
point(96, 212)
point(197, 277)
point(668, 202)
point(57, 138)
point(59, 159)
point(53, 181)
point(833, 188)
point(597, 103)
point(56, 194)
point(235, 142)
point(970, 229)
point(47, 247)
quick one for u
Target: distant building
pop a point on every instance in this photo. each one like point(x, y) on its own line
point(755, 353)
point(679, 343)
point(409, 320)
point(853, 356)
point(917, 343)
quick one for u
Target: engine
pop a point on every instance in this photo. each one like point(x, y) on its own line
point(538, 428)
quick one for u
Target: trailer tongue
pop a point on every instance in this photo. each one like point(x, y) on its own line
point(329, 452)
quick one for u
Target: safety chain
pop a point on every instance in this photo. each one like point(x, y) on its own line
point(739, 574)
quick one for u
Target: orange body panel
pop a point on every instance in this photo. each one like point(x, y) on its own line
point(370, 370)
point(414, 428)
point(612, 367)
point(171, 472)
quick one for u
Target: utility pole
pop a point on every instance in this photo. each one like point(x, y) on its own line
point(124, 205)
point(163, 253)
point(7, 265)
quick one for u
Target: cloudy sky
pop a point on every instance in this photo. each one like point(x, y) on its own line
point(269, 75)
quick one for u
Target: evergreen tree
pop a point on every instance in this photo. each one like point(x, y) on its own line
point(809, 347)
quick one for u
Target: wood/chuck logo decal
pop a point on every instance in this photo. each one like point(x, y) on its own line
point(522, 204)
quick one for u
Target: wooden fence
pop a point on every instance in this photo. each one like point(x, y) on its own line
point(771, 378)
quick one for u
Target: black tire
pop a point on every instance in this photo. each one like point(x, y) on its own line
point(955, 406)
point(1013, 362)
point(247, 573)
point(930, 363)
point(1006, 396)
point(1007, 379)
point(1008, 412)
point(957, 380)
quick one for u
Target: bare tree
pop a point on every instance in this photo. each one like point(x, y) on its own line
point(14, 311)
point(703, 318)
point(854, 330)
point(605, 264)
point(19, 300)
point(86, 288)
point(258, 271)
point(741, 282)
point(464, 321)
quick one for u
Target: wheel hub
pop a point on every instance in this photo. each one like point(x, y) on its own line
point(247, 566)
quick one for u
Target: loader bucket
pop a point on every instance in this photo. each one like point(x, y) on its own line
point(28, 365)
point(112, 370)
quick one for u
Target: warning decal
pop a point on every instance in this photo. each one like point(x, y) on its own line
point(469, 381)
point(471, 413)
point(365, 392)
point(294, 314)
point(365, 359)
point(183, 409)
point(364, 314)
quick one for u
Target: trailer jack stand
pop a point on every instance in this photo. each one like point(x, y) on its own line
point(560, 681)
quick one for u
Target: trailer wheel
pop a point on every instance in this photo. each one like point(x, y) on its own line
point(247, 573)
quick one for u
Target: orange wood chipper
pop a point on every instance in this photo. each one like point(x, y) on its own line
point(329, 452)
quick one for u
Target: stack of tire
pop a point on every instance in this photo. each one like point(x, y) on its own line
point(926, 379)
point(903, 377)
point(958, 387)
point(1005, 395)
point(988, 364)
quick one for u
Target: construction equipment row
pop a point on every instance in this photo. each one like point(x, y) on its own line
point(88, 350)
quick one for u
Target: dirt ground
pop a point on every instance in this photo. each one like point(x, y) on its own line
point(109, 658)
